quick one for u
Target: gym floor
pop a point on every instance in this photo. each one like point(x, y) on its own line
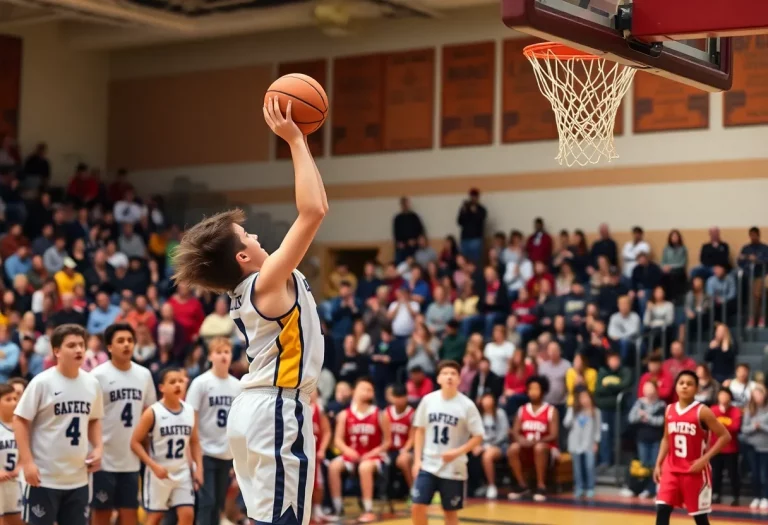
point(604, 510)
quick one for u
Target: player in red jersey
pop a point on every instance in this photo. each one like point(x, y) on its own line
point(534, 434)
point(400, 416)
point(321, 428)
point(363, 437)
point(682, 468)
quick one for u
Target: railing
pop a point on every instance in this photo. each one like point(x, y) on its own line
point(617, 435)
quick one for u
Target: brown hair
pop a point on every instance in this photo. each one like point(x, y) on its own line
point(205, 258)
point(447, 363)
point(219, 342)
point(62, 331)
point(752, 406)
point(6, 388)
point(18, 381)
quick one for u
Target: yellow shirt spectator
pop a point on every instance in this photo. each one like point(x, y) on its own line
point(574, 378)
point(67, 278)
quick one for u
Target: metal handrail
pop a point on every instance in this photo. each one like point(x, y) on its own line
point(617, 434)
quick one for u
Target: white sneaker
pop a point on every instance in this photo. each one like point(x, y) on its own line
point(755, 503)
point(645, 494)
point(492, 492)
point(763, 504)
point(627, 493)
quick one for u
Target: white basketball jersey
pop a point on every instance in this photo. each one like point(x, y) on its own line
point(211, 397)
point(169, 443)
point(448, 424)
point(287, 351)
point(9, 457)
point(126, 394)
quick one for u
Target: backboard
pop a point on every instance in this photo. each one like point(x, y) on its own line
point(593, 26)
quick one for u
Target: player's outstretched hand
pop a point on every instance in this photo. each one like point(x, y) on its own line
point(283, 126)
point(31, 475)
point(657, 474)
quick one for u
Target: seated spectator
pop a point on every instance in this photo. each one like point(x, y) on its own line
point(708, 386)
point(535, 435)
point(579, 377)
point(540, 273)
point(12, 240)
point(554, 369)
point(721, 290)
point(575, 307)
point(712, 253)
point(424, 253)
point(130, 243)
point(482, 460)
point(470, 366)
point(515, 380)
point(674, 262)
point(436, 279)
point(513, 336)
point(68, 314)
point(465, 308)
point(485, 382)
point(353, 365)
point(566, 338)
point(170, 334)
point(722, 355)
point(9, 354)
point(612, 380)
point(419, 288)
point(728, 458)
point(37, 274)
point(753, 259)
point(665, 384)
point(565, 278)
point(375, 314)
point(115, 258)
point(524, 309)
point(187, 311)
point(610, 292)
point(418, 385)
point(647, 415)
point(94, 353)
point(370, 282)
point(563, 253)
point(53, 257)
point(402, 314)
point(678, 361)
point(645, 277)
point(422, 350)
point(493, 304)
point(581, 258)
point(216, 324)
point(547, 306)
point(68, 278)
point(388, 358)
point(407, 227)
point(361, 420)
point(754, 430)
point(624, 329)
point(342, 398)
point(499, 351)
point(30, 362)
point(439, 312)
point(601, 276)
point(18, 264)
point(741, 386)
point(363, 341)
point(400, 416)
point(513, 251)
point(44, 241)
point(596, 344)
point(453, 343)
point(518, 269)
point(145, 349)
point(448, 254)
point(128, 210)
point(659, 319)
point(632, 250)
point(697, 305)
point(102, 314)
point(583, 421)
point(539, 245)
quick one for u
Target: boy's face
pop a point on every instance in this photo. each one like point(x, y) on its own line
point(19, 388)
point(723, 399)
point(8, 402)
point(399, 402)
point(122, 345)
point(221, 356)
point(448, 378)
point(614, 362)
point(173, 384)
point(364, 392)
point(72, 351)
point(742, 374)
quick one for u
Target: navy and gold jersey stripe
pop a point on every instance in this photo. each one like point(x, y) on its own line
point(290, 350)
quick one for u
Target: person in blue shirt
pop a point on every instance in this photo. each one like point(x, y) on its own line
point(103, 315)
point(18, 263)
point(9, 355)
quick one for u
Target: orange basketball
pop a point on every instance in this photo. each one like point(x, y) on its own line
point(309, 103)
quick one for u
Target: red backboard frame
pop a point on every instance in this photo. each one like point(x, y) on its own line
point(531, 17)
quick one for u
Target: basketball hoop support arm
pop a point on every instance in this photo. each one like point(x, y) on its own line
point(659, 20)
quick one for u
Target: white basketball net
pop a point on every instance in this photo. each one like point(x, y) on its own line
point(585, 92)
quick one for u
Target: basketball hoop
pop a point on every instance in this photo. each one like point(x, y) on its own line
point(585, 91)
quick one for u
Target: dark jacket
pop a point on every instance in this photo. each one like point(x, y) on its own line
point(610, 383)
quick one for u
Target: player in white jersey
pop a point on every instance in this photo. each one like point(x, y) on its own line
point(174, 462)
point(448, 426)
point(127, 389)
point(10, 489)
point(269, 429)
point(57, 418)
point(211, 395)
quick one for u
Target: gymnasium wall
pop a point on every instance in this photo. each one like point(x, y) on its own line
point(707, 173)
point(63, 99)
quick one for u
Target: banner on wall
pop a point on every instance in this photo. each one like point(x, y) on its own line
point(317, 69)
point(746, 104)
point(10, 85)
point(468, 77)
point(661, 104)
point(357, 104)
point(409, 100)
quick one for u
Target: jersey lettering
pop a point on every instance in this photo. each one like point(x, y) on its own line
point(71, 407)
point(176, 430)
point(8, 444)
point(441, 418)
point(123, 394)
point(226, 401)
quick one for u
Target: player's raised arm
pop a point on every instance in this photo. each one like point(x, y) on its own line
point(310, 202)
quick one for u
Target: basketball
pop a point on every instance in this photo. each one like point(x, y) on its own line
point(309, 105)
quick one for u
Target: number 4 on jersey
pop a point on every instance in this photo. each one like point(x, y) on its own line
point(127, 415)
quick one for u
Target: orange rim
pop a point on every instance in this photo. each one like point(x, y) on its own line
point(556, 51)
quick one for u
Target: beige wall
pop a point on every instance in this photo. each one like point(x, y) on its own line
point(63, 99)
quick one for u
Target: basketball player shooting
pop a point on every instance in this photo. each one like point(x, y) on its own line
point(270, 424)
point(682, 467)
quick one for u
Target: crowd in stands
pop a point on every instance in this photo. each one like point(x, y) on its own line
point(594, 321)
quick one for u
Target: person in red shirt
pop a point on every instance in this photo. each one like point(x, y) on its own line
point(187, 311)
point(515, 381)
point(664, 382)
point(539, 244)
point(682, 468)
point(400, 415)
point(363, 437)
point(418, 385)
point(540, 273)
point(523, 308)
point(728, 458)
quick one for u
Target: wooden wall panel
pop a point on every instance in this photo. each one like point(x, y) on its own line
point(661, 104)
point(746, 104)
point(10, 85)
point(409, 100)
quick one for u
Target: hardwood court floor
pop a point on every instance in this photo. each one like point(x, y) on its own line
point(565, 511)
